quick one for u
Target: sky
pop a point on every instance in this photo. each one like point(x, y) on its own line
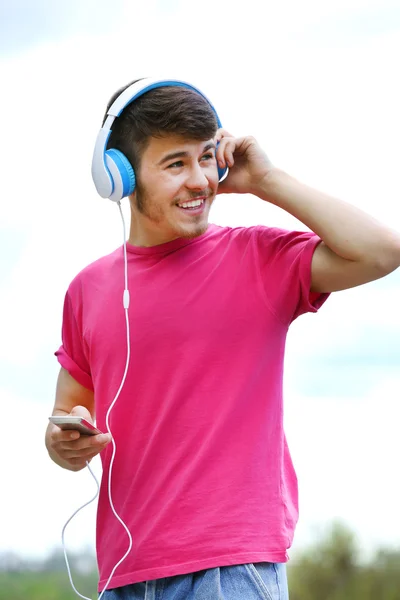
point(317, 84)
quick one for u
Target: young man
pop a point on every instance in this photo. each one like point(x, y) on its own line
point(202, 475)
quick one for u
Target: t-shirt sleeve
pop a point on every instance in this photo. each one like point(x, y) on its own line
point(285, 263)
point(72, 355)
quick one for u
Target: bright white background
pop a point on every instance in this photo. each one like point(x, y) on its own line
point(317, 84)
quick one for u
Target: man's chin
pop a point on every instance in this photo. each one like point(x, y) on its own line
point(194, 230)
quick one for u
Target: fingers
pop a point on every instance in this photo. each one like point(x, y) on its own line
point(221, 133)
point(64, 435)
point(75, 448)
point(226, 145)
point(86, 443)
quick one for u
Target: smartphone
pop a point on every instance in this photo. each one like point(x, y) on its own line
point(74, 422)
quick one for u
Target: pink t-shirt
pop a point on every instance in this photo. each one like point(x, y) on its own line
point(203, 475)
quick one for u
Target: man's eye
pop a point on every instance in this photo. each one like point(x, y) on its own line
point(178, 163)
point(208, 156)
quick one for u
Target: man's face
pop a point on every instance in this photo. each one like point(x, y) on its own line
point(173, 172)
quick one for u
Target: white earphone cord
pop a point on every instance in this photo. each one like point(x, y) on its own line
point(128, 354)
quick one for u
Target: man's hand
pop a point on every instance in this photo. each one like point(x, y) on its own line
point(248, 164)
point(72, 450)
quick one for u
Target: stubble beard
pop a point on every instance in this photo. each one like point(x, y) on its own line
point(156, 215)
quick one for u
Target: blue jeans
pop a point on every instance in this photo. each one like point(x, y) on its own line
point(258, 581)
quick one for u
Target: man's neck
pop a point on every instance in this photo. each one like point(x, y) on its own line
point(145, 239)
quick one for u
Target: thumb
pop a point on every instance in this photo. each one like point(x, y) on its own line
point(82, 411)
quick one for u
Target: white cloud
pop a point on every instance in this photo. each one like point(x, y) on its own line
point(38, 497)
point(345, 453)
point(24, 23)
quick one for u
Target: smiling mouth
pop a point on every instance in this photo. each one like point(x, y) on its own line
point(192, 204)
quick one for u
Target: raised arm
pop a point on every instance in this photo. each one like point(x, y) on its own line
point(355, 248)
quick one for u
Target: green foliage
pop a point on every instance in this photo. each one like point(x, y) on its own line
point(48, 579)
point(331, 569)
point(44, 585)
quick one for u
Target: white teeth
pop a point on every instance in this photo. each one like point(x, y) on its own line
point(191, 204)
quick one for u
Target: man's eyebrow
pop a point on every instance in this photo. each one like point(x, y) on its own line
point(171, 156)
point(183, 154)
point(209, 146)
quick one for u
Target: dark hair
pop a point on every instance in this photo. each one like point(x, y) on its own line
point(157, 113)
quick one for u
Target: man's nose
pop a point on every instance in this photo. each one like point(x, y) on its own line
point(196, 178)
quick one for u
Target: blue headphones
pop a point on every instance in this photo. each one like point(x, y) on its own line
point(112, 173)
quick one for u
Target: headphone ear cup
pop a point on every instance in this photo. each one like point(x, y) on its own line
point(122, 174)
point(222, 171)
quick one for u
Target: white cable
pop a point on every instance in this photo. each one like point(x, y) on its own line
point(128, 354)
point(64, 528)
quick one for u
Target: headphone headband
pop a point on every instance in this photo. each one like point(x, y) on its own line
point(137, 89)
point(112, 173)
